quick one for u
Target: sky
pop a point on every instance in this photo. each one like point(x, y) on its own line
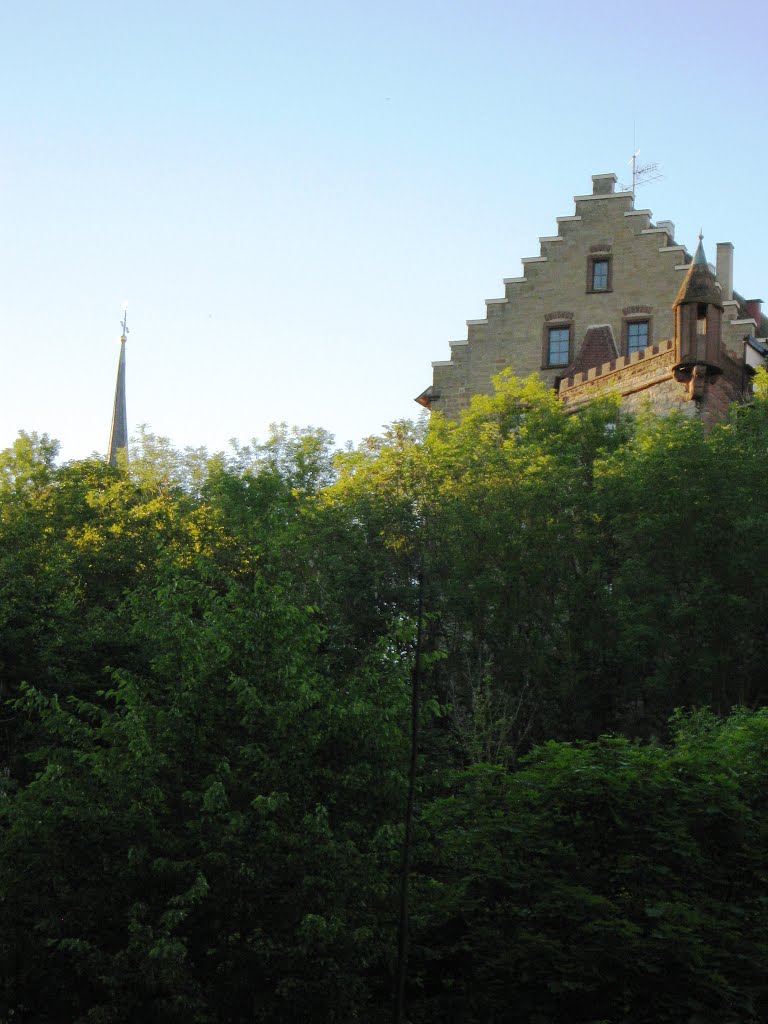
point(303, 203)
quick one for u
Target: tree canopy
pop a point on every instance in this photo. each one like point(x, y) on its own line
point(206, 668)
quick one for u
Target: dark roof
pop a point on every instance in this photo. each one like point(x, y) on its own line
point(758, 346)
point(598, 347)
point(426, 398)
point(118, 434)
point(700, 284)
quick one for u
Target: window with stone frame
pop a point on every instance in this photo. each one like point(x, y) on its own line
point(599, 276)
point(638, 336)
point(558, 346)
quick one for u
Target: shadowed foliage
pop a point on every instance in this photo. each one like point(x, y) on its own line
point(206, 666)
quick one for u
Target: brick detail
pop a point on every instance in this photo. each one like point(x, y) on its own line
point(644, 284)
point(597, 348)
point(622, 376)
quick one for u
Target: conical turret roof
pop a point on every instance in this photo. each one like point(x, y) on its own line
point(700, 285)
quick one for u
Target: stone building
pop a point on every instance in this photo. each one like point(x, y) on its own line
point(613, 303)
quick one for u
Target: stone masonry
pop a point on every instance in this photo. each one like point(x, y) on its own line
point(640, 271)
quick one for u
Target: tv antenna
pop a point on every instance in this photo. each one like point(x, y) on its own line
point(642, 174)
point(124, 322)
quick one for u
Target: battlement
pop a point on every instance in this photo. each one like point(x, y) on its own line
point(604, 281)
point(624, 375)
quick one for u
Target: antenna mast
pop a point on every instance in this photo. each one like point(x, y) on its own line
point(642, 174)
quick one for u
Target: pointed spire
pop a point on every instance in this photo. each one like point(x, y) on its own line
point(700, 284)
point(118, 435)
point(699, 258)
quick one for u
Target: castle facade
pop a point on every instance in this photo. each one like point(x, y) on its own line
point(613, 303)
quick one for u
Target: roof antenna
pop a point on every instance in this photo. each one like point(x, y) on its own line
point(642, 174)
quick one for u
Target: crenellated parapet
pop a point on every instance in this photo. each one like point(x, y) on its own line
point(599, 303)
point(622, 376)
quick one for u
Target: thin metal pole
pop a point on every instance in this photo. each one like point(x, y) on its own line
point(402, 939)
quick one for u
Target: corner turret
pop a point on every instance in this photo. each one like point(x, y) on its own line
point(698, 312)
point(699, 319)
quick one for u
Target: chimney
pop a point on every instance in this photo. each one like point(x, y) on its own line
point(725, 269)
point(603, 184)
point(754, 310)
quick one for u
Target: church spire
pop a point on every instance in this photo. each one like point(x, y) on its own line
point(118, 435)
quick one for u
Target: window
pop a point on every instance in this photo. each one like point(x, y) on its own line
point(557, 331)
point(701, 318)
point(637, 336)
point(636, 329)
point(600, 275)
point(558, 346)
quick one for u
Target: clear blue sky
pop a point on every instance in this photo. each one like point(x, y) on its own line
point(304, 202)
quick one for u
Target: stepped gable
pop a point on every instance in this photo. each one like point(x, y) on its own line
point(602, 308)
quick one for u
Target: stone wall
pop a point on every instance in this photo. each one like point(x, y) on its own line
point(646, 271)
point(636, 378)
point(647, 380)
point(722, 391)
point(646, 267)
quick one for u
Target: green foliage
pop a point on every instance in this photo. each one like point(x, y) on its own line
point(605, 881)
point(28, 464)
point(761, 384)
point(205, 665)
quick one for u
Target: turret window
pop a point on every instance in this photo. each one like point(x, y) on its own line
point(701, 319)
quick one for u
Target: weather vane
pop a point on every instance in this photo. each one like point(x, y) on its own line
point(124, 323)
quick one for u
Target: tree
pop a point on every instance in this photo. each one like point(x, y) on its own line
point(206, 663)
point(602, 881)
